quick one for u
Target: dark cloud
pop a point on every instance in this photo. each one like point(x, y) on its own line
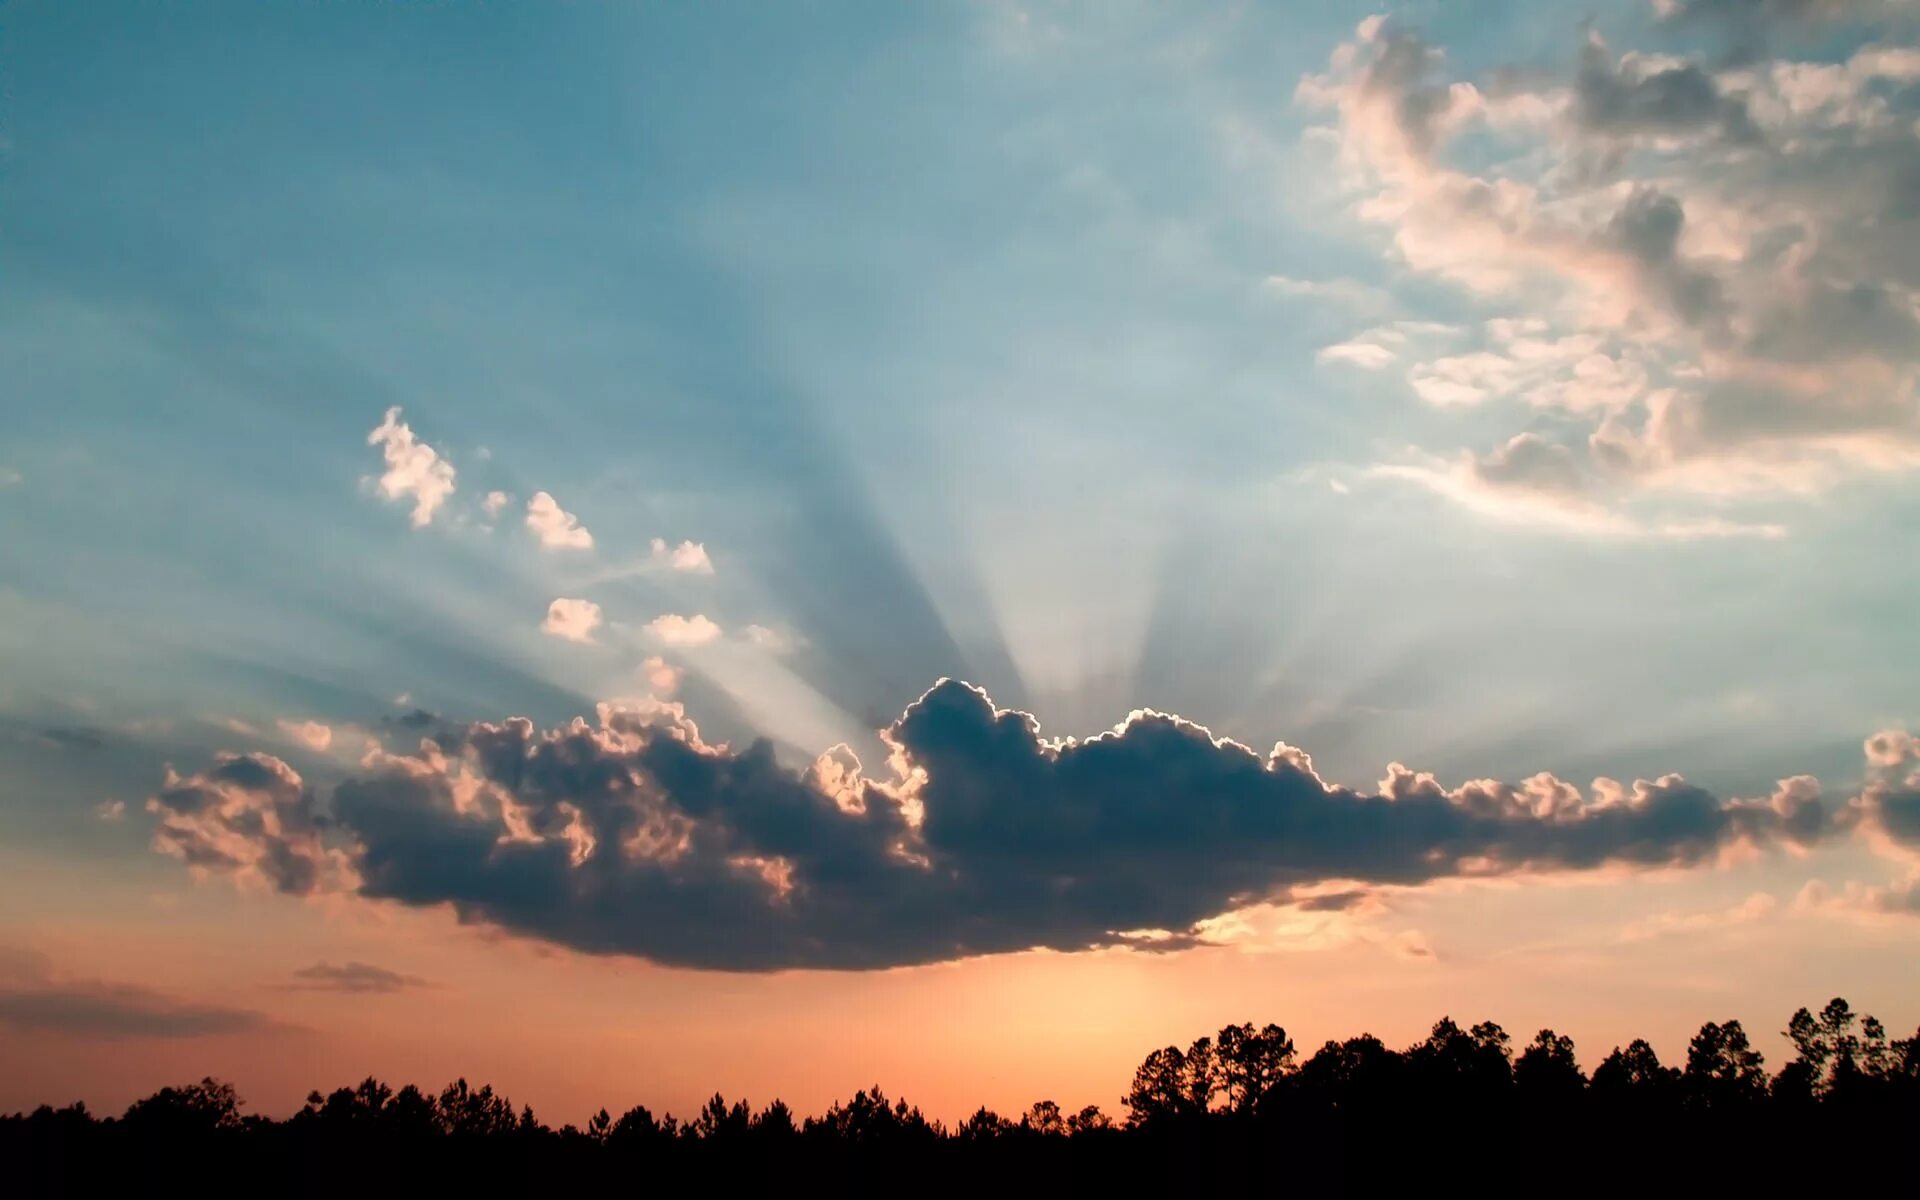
point(417, 719)
point(353, 977)
point(634, 837)
point(1333, 901)
point(101, 1010)
point(1633, 98)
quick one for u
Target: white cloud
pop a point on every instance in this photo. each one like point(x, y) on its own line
point(572, 619)
point(413, 468)
point(688, 557)
point(495, 501)
point(556, 528)
point(10, 478)
point(311, 734)
point(676, 630)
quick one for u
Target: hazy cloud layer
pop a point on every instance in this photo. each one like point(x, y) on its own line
point(34, 999)
point(633, 836)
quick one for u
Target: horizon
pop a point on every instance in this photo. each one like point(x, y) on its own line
point(626, 552)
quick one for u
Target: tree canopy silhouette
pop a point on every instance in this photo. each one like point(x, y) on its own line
point(1238, 1109)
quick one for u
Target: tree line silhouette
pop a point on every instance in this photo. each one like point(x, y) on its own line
point(1241, 1108)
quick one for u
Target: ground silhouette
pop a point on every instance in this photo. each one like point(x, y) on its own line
point(1240, 1110)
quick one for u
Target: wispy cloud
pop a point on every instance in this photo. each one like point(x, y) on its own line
point(353, 977)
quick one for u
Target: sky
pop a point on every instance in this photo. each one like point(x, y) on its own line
point(631, 550)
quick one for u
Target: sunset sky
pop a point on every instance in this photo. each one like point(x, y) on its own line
point(631, 550)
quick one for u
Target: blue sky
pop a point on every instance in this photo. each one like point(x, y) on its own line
point(1104, 357)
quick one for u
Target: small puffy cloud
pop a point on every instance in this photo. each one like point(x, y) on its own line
point(556, 528)
point(10, 478)
point(311, 734)
point(354, 977)
point(1892, 748)
point(1370, 356)
point(571, 618)
point(495, 502)
point(662, 676)
point(413, 468)
point(688, 557)
point(675, 630)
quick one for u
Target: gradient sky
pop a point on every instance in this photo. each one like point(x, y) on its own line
point(1511, 391)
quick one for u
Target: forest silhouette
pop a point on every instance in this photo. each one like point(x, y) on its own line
point(1241, 1109)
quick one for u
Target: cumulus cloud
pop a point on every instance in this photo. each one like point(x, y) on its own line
point(572, 618)
point(1888, 808)
point(676, 630)
point(1719, 261)
point(413, 468)
point(495, 502)
point(11, 478)
point(249, 815)
point(688, 557)
point(634, 836)
point(556, 528)
point(354, 977)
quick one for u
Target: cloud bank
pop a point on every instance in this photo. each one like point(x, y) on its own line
point(633, 836)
